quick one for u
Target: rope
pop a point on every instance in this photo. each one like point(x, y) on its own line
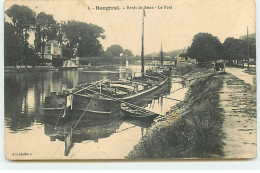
point(76, 92)
point(177, 90)
point(126, 129)
point(65, 107)
point(80, 118)
point(129, 104)
point(172, 99)
point(58, 119)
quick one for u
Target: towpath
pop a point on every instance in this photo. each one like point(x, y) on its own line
point(238, 100)
point(239, 73)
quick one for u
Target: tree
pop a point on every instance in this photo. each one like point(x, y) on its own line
point(184, 55)
point(233, 49)
point(84, 37)
point(253, 51)
point(31, 57)
point(46, 29)
point(250, 44)
point(227, 47)
point(107, 54)
point(13, 45)
point(128, 52)
point(60, 34)
point(237, 49)
point(67, 51)
point(23, 19)
point(205, 47)
point(115, 50)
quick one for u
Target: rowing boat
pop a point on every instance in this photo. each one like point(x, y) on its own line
point(103, 98)
point(135, 113)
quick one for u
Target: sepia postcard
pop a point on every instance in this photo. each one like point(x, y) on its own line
point(130, 80)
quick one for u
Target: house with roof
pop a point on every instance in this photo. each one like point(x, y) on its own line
point(52, 50)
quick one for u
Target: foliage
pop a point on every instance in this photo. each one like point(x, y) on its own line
point(237, 49)
point(13, 45)
point(17, 50)
point(22, 17)
point(46, 29)
point(184, 55)
point(67, 51)
point(233, 49)
point(85, 37)
point(253, 51)
point(128, 52)
point(31, 57)
point(250, 45)
point(114, 50)
point(205, 47)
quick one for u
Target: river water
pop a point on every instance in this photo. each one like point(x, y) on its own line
point(28, 137)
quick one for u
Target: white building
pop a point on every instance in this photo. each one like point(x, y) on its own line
point(52, 50)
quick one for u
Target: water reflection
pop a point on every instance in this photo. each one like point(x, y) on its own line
point(82, 132)
point(163, 103)
point(25, 93)
point(24, 97)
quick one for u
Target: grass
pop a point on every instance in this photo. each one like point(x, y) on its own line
point(184, 68)
point(196, 133)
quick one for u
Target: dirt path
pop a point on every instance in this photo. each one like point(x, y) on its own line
point(238, 100)
point(241, 74)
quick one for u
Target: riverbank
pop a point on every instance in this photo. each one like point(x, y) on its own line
point(103, 68)
point(28, 69)
point(193, 128)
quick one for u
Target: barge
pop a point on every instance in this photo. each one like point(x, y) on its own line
point(102, 99)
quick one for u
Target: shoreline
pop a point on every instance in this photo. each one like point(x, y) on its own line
point(101, 69)
point(29, 69)
point(217, 119)
point(193, 127)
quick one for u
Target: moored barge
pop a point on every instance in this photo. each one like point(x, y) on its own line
point(101, 100)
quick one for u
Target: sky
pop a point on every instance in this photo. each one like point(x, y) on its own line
point(173, 28)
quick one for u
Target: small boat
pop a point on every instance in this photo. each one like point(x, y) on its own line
point(134, 112)
point(102, 100)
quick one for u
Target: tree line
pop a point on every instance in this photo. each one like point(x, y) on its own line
point(206, 47)
point(71, 35)
point(117, 51)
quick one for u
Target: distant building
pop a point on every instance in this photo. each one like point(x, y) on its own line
point(52, 50)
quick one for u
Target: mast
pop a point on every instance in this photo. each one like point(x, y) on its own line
point(142, 51)
point(247, 48)
point(161, 55)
